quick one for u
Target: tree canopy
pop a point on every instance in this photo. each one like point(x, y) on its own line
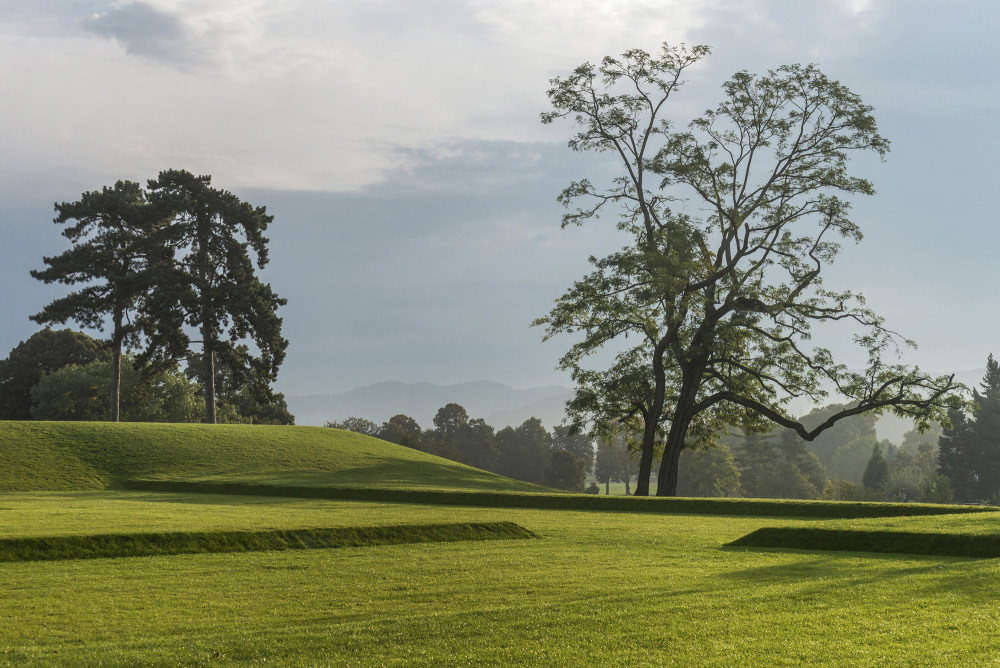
point(730, 223)
point(42, 353)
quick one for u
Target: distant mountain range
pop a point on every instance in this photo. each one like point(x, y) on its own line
point(500, 405)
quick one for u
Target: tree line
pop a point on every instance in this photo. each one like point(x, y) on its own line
point(165, 268)
point(529, 452)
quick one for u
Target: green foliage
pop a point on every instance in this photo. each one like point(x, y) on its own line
point(708, 472)
point(43, 352)
point(471, 441)
point(969, 449)
point(82, 392)
point(850, 459)
point(777, 466)
point(730, 223)
point(241, 397)
point(576, 441)
point(614, 462)
point(564, 471)
point(524, 451)
point(876, 471)
point(357, 425)
point(402, 430)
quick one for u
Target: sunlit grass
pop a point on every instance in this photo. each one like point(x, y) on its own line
point(598, 588)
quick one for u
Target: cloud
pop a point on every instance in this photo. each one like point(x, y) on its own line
point(145, 31)
point(228, 37)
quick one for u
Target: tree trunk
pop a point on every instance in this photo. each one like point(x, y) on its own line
point(666, 479)
point(607, 487)
point(116, 368)
point(209, 384)
point(628, 489)
point(207, 331)
point(651, 419)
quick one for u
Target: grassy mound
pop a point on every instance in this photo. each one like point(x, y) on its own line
point(187, 542)
point(541, 500)
point(975, 545)
point(94, 455)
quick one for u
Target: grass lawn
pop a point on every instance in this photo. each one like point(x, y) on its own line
point(599, 588)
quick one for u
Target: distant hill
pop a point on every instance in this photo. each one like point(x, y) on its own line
point(500, 405)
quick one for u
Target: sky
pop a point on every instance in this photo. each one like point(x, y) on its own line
point(398, 145)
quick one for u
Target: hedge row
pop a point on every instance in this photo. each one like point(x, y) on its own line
point(741, 507)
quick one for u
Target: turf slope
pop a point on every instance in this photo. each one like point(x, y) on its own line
point(96, 455)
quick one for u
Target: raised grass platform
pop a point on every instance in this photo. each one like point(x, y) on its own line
point(982, 546)
point(51, 548)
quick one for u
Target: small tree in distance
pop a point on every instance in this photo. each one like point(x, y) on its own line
point(877, 471)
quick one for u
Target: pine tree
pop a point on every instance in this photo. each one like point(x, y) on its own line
point(213, 286)
point(969, 450)
point(877, 471)
point(114, 257)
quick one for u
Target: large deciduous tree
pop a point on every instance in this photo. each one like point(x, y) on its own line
point(213, 287)
point(730, 223)
point(113, 258)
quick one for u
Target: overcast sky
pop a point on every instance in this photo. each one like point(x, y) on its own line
point(398, 145)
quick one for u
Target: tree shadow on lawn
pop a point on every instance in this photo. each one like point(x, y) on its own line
point(911, 576)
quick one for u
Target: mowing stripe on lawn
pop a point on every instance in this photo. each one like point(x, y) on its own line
point(980, 546)
point(672, 505)
point(184, 542)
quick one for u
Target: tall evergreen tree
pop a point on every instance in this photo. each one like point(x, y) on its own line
point(969, 449)
point(877, 471)
point(213, 286)
point(113, 258)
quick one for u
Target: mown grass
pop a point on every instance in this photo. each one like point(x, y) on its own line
point(94, 455)
point(601, 588)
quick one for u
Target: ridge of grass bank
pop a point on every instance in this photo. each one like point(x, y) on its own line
point(51, 548)
point(67, 456)
point(980, 546)
point(667, 505)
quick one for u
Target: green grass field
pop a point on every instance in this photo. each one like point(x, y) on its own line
point(596, 588)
